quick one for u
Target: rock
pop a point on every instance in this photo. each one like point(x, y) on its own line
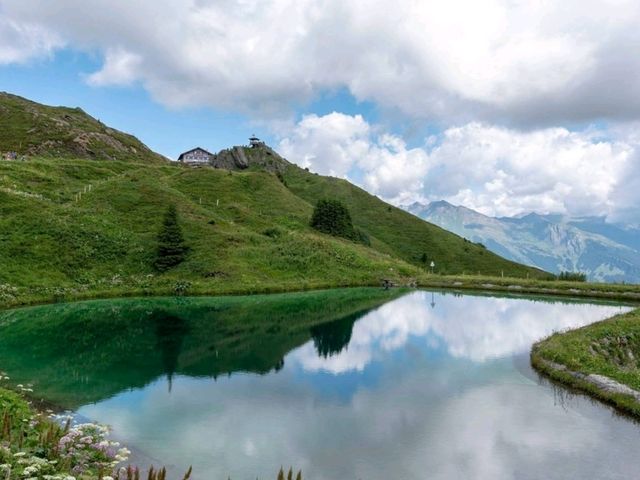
point(240, 158)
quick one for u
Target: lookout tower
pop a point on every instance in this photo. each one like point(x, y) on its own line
point(255, 142)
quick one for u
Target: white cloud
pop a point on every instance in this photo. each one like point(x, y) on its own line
point(20, 41)
point(120, 68)
point(338, 144)
point(458, 60)
point(496, 170)
point(500, 171)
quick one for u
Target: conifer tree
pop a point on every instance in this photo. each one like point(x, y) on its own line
point(332, 217)
point(171, 246)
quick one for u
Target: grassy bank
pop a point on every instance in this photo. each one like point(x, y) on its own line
point(610, 348)
point(174, 285)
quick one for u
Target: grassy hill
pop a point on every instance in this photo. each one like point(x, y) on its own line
point(402, 235)
point(69, 226)
point(29, 128)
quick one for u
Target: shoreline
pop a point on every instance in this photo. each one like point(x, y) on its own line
point(628, 293)
point(619, 396)
point(597, 360)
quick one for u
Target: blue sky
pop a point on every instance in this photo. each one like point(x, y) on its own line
point(60, 81)
point(505, 107)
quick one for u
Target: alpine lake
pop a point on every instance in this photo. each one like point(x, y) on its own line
point(343, 384)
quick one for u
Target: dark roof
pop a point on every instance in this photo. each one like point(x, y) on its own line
point(193, 150)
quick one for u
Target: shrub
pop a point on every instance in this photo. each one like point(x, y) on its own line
point(332, 217)
point(572, 276)
point(171, 247)
point(181, 288)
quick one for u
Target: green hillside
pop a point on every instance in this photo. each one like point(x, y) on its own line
point(402, 235)
point(69, 226)
point(29, 128)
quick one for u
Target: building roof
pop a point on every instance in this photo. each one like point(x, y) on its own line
point(193, 150)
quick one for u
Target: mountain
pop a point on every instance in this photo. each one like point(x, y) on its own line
point(604, 251)
point(74, 224)
point(30, 128)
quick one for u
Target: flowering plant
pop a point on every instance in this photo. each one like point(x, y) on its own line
point(85, 446)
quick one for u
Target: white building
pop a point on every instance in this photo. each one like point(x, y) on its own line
point(197, 156)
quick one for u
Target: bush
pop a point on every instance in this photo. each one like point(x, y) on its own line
point(572, 276)
point(171, 247)
point(333, 218)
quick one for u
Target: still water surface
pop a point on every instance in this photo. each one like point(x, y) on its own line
point(345, 384)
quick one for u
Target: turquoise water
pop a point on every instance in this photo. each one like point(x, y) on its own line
point(350, 384)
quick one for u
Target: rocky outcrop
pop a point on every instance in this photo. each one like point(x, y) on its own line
point(241, 158)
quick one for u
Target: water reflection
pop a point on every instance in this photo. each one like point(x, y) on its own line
point(86, 352)
point(170, 334)
point(465, 326)
point(332, 338)
point(401, 389)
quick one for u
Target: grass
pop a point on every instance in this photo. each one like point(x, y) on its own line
point(610, 348)
point(247, 232)
point(400, 234)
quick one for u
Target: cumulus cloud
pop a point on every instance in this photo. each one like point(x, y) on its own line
point(21, 41)
point(120, 68)
point(496, 170)
point(338, 144)
point(527, 62)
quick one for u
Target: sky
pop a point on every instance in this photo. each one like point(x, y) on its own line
point(503, 106)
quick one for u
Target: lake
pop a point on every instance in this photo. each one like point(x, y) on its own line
point(344, 384)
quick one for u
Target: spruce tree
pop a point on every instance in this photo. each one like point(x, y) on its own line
point(333, 217)
point(171, 247)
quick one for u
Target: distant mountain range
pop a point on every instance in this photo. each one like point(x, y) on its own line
point(604, 251)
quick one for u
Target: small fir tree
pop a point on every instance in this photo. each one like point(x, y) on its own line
point(333, 217)
point(171, 246)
